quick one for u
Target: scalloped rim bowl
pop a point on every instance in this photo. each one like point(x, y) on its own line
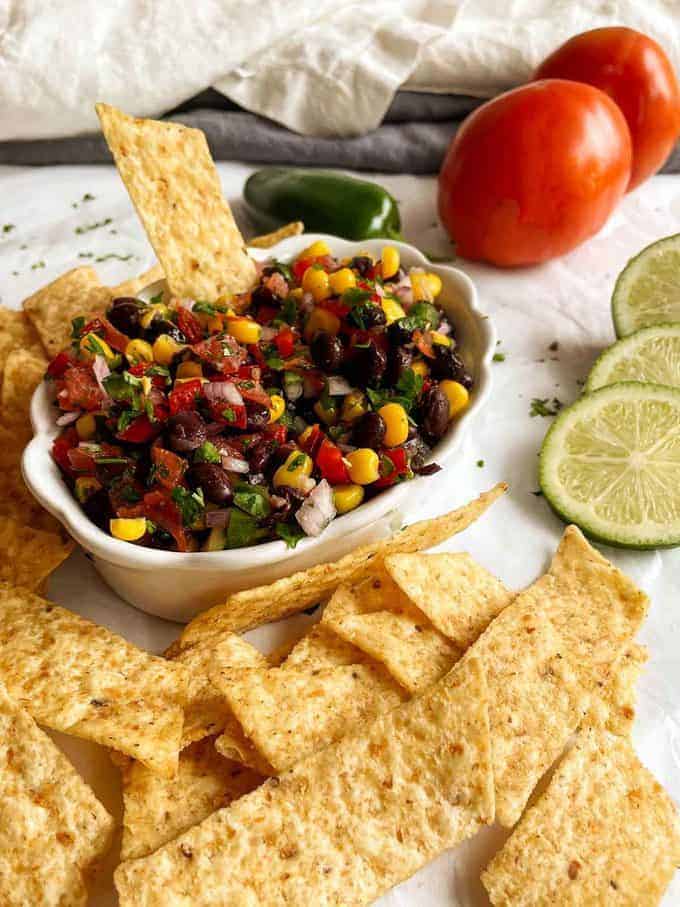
point(177, 586)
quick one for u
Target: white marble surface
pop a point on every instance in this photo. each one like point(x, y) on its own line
point(567, 301)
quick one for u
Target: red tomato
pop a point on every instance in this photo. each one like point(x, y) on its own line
point(534, 172)
point(636, 73)
point(285, 343)
point(61, 446)
point(81, 461)
point(59, 364)
point(169, 467)
point(299, 267)
point(82, 390)
point(189, 325)
point(159, 507)
point(184, 396)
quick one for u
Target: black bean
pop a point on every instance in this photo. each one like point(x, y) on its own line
point(367, 366)
point(186, 431)
point(448, 364)
point(164, 326)
point(259, 454)
point(124, 315)
point(327, 351)
point(263, 296)
point(368, 315)
point(398, 333)
point(363, 264)
point(257, 415)
point(98, 508)
point(213, 480)
point(398, 360)
point(435, 412)
point(369, 431)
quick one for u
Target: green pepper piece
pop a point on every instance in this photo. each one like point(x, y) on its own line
point(326, 202)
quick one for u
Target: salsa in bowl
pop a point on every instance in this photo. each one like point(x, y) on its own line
point(192, 426)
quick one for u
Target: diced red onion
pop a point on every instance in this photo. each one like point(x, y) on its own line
point(101, 371)
point(306, 303)
point(223, 392)
point(317, 510)
point(338, 386)
point(268, 333)
point(293, 389)
point(216, 518)
point(68, 418)
point(307, 484)
point(404, 294)
point(444, 327)
point(277, 284)
point(378, 290)
point(235, 464)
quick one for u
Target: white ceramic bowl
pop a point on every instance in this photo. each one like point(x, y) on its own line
point(178, 586)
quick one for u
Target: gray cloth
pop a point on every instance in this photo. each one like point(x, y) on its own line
point(412, 138)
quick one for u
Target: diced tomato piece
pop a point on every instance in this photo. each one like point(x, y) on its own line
point(82, 390)
point(141, 368)
point(93, 326)
point(254, 392)
point(266, 313)
point(140, 430)
point(285, 343)
point(59, 364)
point(184, 396)
point(249, 372)
point(169, 467)
point(233, 415)
point(115, 338)
point(81, 461)
point(222, 351)
point(299, 267)
point(189, 324)
point(159, 507)
point(60, 448)
point(424, 344)
point(330, 463)
point(399, 466)
point(335, 306)
point(277, 432)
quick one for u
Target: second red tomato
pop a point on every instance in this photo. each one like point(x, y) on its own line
point(534, 172)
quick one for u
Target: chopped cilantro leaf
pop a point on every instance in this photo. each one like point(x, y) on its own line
point(290, 534)
point(207, 453)
point(542, 406)
point(296, 462)
point(77, 325)
point(228, 414)
point(242, 530)
point(204, 308)
point(252, 499)
point(191, 504)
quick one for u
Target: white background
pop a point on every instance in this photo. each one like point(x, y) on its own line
point(566, 300)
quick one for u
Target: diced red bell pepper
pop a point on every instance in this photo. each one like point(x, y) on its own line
point(169, 467)
point(248, 372)
point(299, 267)
point(399, 466)
point(140, 430)
point(59, 364)
point(285, 343)
point(184, 396)
point(60, 448)
point(330, 463)
point(189, 325)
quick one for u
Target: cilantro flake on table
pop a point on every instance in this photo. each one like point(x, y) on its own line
point(7, 228)
point(542, 406)
point(37, 264)
point(115, 256)
point(480, 463)
point(86, 228)
point(499, 357)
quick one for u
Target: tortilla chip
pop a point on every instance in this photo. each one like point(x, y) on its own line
point(346, 825)
point(17, 502)
point(174, 185)
point(28, 556)
point(16, 333)
point(267, 240)
point(293, 594)
point(157, 809)
point(134, 285)
point(596, 624)
point(53, 829)
point(280, 653)
point(13, 440)
point(51, 309)
point(77, 677)
point(604, 832)
point(23, 373)
point(613, 707)
point(535, 700)
point(206, 710)
point(289, 714)
point(459, 597)
point(415, 654)
point(322, 648)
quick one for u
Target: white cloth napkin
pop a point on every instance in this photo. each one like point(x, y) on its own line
point(320, 67)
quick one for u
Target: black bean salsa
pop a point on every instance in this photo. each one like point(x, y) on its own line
point(189, 425)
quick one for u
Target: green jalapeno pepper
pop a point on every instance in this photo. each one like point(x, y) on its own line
point(326, 202)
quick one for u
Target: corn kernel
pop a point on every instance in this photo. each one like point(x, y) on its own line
point(457, 396)
point(347, 497)
point(189, 369)
point(426, 286)
point(440, 339)
point(245, 330)
point(129, 530)
point(138, 351)
point(278, 407)
point(316, 250)
point(180, 381)
point(85, 487)
point(315, 281)
point(321, 320)
point(389, 261)
point(353, 406)
point(329, 416)
point(396, 424)
point(86, 427)
point(165, 348)
point(393, 311)
point(342, 280)
point(157, 310)
point(91, 345)
point(363, 466)
point(420, 367)
point(295, 471)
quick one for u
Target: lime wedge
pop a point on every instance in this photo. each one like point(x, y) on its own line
point(650, 354)
point(611, 464)
point(648, 289)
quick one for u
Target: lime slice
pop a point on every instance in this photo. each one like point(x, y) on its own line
point(648, 289)
point(650, 354)
point(611, 464)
